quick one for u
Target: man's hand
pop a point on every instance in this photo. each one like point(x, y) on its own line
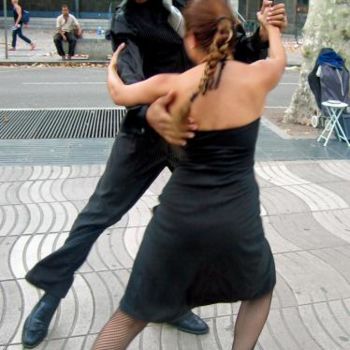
point(165, 125)
point(277, 16)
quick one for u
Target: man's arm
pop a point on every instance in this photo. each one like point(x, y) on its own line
point(253, 48)
point(130, 68)
point(249, 49)
point(142, 92)
point(77, 27)
point(59, 28)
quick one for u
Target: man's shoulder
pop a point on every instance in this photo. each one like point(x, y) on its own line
point(121, 25)
point(59, 17)
point(72, 17)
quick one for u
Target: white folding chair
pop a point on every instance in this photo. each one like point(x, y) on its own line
point(334, 110)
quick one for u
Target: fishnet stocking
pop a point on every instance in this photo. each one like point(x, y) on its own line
point(118, 332)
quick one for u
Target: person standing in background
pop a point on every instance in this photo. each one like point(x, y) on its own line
point(17, 29)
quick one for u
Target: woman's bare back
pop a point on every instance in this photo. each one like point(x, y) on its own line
point(238, 100)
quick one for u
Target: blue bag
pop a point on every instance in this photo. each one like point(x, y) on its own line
point(25, 17)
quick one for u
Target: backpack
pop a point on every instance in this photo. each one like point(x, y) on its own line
point(329, 80)
point(25, 17)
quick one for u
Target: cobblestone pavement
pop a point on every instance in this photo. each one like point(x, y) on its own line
point(306, 213)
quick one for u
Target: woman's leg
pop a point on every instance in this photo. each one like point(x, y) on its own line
point(23, 37)
point(250, 321)
point(14, 38)
point(118, 332)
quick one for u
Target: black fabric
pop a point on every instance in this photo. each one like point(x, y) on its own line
point(180, 4)
point(249, 49)
point(15, 16)
point(18, 32)
point(205, 243)
point(134, 163)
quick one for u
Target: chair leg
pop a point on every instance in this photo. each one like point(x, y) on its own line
point(333, 124)
point(341, 134)
point(330, 125)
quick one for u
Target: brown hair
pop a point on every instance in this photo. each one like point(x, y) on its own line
point(213, 25)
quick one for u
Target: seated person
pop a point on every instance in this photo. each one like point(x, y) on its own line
point(68, 29)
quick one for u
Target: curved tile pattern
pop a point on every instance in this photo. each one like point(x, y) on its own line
point(306, 217)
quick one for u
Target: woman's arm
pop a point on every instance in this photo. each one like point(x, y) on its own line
point(144, 92)
point(269, 71)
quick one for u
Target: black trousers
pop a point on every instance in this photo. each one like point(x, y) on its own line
point(134, 163)
point(72, 41)
point(19, 32)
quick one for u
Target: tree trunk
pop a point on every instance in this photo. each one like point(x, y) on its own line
point(327, 25)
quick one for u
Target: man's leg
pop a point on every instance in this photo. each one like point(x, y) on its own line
point(135, 161)
point(72, 41)
point(57, 39)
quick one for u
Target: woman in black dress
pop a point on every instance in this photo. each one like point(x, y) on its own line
point(205, 243)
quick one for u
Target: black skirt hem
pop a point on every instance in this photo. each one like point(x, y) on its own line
point(130, 311)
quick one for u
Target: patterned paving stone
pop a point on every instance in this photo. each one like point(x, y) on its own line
point(306, 215)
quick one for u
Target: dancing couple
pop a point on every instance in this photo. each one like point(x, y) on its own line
point(205, 243)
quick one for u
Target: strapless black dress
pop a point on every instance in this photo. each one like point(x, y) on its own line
point(205, 243)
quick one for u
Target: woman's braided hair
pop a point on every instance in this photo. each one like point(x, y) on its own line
point(219, 51)
point(213, 24)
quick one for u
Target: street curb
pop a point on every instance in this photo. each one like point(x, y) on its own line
point(79, 62)
point(52, 63)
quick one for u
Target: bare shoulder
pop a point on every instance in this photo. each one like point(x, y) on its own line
point(242, 72)
point(258, 74)
point(196, 70)
point(191, 77)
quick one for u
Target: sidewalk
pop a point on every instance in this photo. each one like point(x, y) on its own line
point(305, 209)
point(305, 197)
point(45, 51)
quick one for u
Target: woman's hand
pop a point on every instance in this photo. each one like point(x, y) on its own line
point(263, 14)
point(270, 14)
point(114, 59)
point(277, 16)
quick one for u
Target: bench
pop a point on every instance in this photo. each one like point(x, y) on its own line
point(97, 49)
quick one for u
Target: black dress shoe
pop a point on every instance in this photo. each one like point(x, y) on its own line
point(190, 323)
point(37, 323)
